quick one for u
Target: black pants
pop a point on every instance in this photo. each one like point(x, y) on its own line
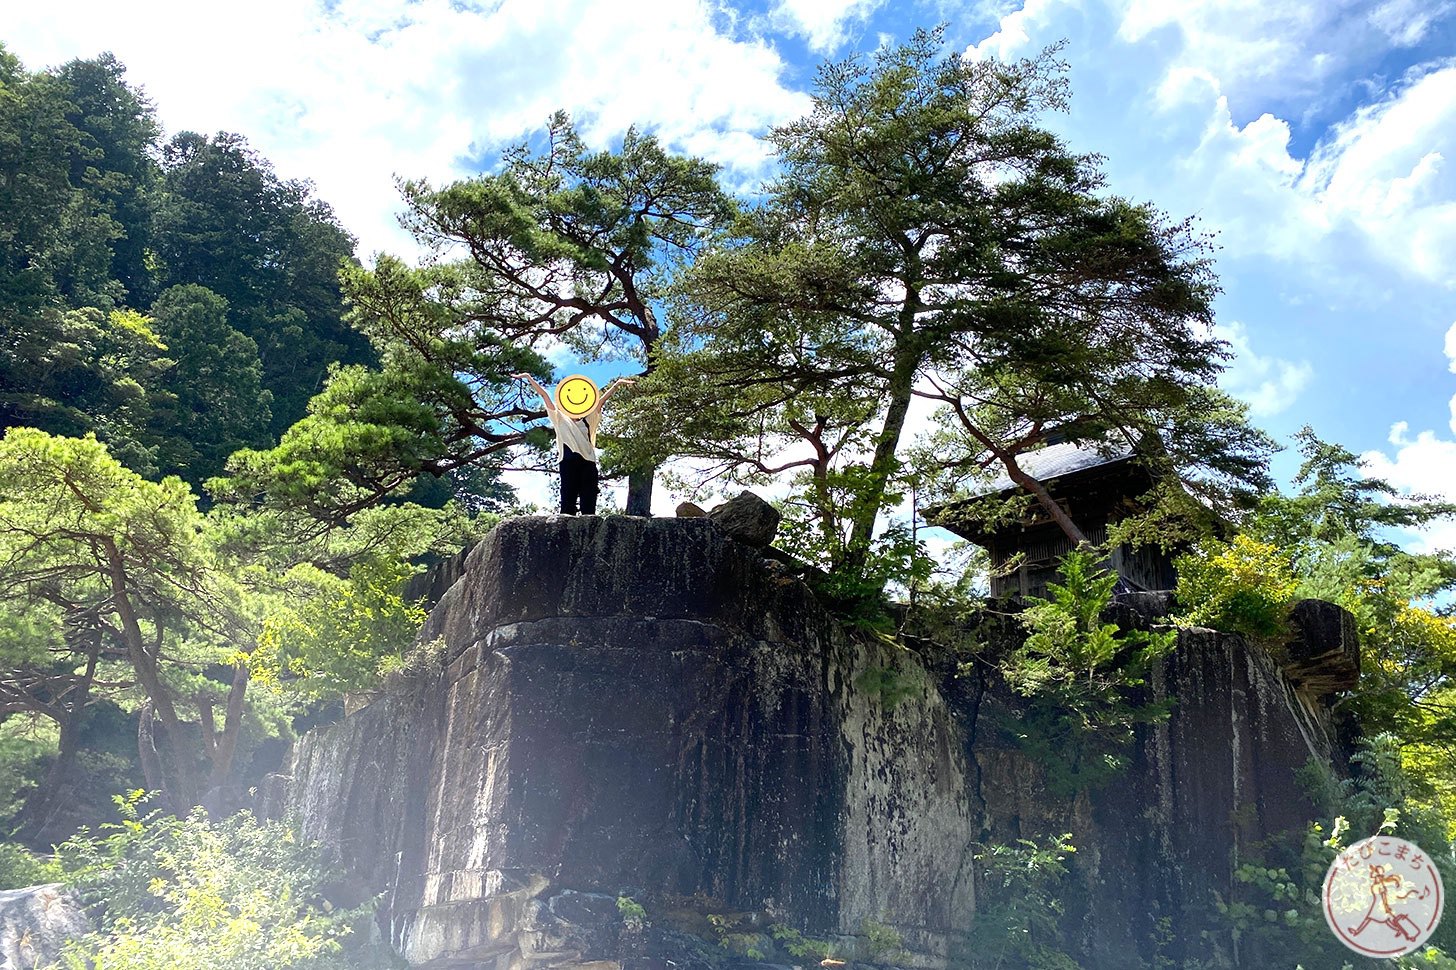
point(578, 483)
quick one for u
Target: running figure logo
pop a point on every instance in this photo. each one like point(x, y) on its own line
point(1383, 897)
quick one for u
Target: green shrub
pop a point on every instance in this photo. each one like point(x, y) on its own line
point(1275, 909)
point(330, 634)
point(801, 946)
point(1243, 586)
point(1019, 907)
point(634, 914)
point(19, 867)
point(1084, 679)
point(192, 894)
point(882, 944)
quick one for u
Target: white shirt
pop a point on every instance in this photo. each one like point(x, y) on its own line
point(578, 434)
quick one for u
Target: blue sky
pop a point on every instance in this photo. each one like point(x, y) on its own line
point(1316, 138)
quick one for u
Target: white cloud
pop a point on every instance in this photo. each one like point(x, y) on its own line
point(1385, 171)
point(352, 95)
point(1423, 465)
point(1294, 51)
point(1378, 187)
point(1406, 22)
point(1256, 42)
point(824, 24)
point(1268, 385)
point(1013, 36)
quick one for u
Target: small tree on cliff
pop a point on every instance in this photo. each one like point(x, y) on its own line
point(568, 244)
point(575, 244)
point(925, 236)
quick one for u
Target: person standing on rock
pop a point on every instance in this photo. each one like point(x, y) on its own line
point(575, 413)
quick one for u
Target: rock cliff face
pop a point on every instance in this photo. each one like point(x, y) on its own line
point(646, 708)
point(36, 923)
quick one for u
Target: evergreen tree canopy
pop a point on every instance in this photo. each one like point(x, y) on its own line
point(575, 244)
point(226, 221)
point(212, 401)
point(442, 403)
point(926, 236)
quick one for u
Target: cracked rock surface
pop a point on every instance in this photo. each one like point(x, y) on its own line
point(642, 708)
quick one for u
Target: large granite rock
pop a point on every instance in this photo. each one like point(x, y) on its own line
point(1324, 655)
point(628, 706)
point(35, 923)
point(642, 707)
point(1205, 790)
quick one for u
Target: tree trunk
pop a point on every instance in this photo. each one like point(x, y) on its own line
point(866, 509)
point(159, 697)
point(639, 492)
point(639, 480)
point(1044, 498)
point(156, 778)
point(41, 806)
point(227, 744)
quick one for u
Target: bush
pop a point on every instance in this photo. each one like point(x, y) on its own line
point(1275, 910)
point(1020, 923)
point(1084, 678)
point(1244, 586)
point(333, 634)
point(19, 868)
point(192, 894)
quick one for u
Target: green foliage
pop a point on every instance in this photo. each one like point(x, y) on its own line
point(634, 915)
point(801, 946)
point(1019, 907)
point(920, 216)
point(130, 565)
point(193, 894)
point(1084, 678)
point(882, 944)
point(97, 219)
point(1241, 586)
point(19, 868)
point(1338, 530)
point(1276, 906)
point(226, 221)
point(738, 934)
point(889, 683)
point(896, 560)
point(79, 371)
point(214, 400)
point(609, 229)
point(441, 405)
point(331, 634)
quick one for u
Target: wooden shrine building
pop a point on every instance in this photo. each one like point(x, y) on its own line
point(1095, 486)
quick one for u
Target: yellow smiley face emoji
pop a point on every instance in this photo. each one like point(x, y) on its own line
point(577, 395)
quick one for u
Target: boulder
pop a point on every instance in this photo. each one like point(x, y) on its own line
point(637, 707)
point(1139, 610)
point(690, 510)
point(35, 923)
point(747, 518)
point(1324, 655)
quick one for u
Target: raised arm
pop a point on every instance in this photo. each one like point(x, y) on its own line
point(545, 397)
point(612, 387)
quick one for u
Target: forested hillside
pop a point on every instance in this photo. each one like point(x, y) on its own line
point(229, 445)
